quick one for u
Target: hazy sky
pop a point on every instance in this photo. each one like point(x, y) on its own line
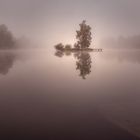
point(53, 21)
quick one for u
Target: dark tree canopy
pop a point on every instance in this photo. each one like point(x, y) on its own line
point(68, 47)
point(7, 40)
point(59, 46)
point(83, 36)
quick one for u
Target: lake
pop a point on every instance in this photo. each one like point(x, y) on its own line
point(76, 96)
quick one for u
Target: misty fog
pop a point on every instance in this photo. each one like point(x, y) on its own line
point(46, 22)
point(59, 80)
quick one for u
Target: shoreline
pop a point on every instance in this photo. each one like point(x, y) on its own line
point(81, 50)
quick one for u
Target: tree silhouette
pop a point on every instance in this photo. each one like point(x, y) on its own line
point(59, 46)
point(81, 48)
point(68, 47)
point(83, 36)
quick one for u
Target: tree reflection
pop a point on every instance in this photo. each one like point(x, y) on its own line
point(59, 53)
point(83, 61)
point(6, 62)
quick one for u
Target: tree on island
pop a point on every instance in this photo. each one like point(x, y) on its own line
point(83, 36)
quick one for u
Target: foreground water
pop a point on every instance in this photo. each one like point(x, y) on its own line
point(70, 96)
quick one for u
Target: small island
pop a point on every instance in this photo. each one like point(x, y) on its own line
point(84, 39)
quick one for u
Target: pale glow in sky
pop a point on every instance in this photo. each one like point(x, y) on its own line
point(53, 21)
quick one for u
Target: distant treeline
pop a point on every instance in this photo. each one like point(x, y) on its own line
point(130, 42)
point(9, 41)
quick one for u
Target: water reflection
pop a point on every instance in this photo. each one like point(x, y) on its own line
point(83, 61)
point(6, 62)
point(38, 98)
point(59, 53)
point(132, 56)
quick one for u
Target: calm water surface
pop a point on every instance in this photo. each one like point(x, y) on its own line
point(70, 96)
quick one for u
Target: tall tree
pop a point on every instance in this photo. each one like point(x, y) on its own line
point(83, 36)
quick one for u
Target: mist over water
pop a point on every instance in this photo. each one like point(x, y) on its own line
point(69, 95)
point(105, 101)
